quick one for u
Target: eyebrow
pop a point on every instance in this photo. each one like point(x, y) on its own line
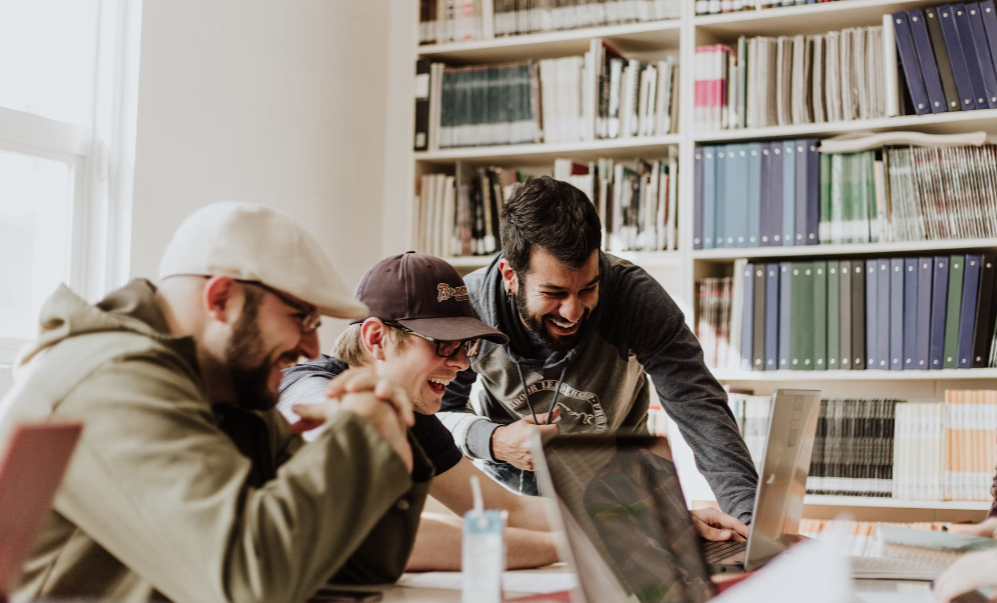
point(559, 288)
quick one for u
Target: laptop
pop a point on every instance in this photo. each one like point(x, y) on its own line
point(31, 470)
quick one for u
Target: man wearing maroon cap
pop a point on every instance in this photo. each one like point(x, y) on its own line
point(420, 333)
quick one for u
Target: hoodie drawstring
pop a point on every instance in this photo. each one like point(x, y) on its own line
point(553, 403)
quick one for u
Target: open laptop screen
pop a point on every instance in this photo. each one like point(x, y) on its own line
point(624, 510)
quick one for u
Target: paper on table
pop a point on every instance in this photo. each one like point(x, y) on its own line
point(813, 567)
point(515, 582)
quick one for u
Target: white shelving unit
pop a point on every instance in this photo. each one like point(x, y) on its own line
point(681, 269)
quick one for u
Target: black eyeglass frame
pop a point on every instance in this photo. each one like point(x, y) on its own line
point(471, 346)
point(309, 320)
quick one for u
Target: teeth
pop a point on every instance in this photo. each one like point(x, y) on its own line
point(564, 325)
point(443, 382)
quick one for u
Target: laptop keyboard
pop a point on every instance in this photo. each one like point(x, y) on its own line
point(715, 551)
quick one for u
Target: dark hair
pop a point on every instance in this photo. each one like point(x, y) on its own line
point(554, 216)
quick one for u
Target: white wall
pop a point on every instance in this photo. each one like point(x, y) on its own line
point(274, 101)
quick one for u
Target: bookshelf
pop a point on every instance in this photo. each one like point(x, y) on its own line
point(679, 270)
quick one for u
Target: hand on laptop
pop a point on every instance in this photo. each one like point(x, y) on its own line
point(715, 525)
point(511, 443)
point(987, 529)
point(970, 572)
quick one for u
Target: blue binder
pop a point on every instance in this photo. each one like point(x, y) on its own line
point(967, 315)
point(785, 304)
point(772, 274)
point(910, 313)
point(871, 314)
point(697, 209)
point(737, 206)
point(979, 37)
point(754, 193)
point(961, 19)
point(926, 60)
point(883, 316)
point(939, 304)
point(790, 189)
point(990, 27)
point(925, 293)
point(908, 59)
point(747, 316)
point(721, 212)
point(896, 328)
point(776, 188)
point(960, 70)
point(813, 188)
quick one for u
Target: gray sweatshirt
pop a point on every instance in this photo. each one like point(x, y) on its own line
point(636, 330)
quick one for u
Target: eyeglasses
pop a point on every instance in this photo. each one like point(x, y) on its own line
point(308, 320)
point(446, 349)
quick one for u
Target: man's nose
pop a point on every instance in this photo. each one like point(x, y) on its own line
point(309, 346)
point(459, 360)
point(571, 309)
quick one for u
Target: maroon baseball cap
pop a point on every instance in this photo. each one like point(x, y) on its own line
point(425, 294)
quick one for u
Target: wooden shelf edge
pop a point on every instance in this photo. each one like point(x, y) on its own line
point(863, 501)
point(842, 249)
point(867, 375)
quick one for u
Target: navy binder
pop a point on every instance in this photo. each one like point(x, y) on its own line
point(896, 328)
point(989, 14)
point(979, 37)
point(963, 80)
point(792, 178)
point(772, 317)
point(985, 312)
point(939, 303)
point(785, 305)
point(926, 60)
point(697, 208)
point(754, 193)
point(910, 314)
point(709, 196)
point(883, 306)
point(973, 66)
point(871, 314)
point(967, 316)
point(747, 316)
point(908, 59)
point(925, 291)
point(813, 190)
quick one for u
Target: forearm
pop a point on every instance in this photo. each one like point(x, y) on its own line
point(438, 546)
point(529, 514)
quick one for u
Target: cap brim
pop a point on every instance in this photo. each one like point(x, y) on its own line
point(346, 308)
point(453, 328)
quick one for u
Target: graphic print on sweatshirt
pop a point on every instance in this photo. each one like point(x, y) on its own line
point(580, 411)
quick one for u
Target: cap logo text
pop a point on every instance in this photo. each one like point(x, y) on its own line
point(446, 292)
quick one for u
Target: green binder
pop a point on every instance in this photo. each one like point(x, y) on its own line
point(833, 316)
point(824, 224)
point(797, 315)
point(820, 317)
point(802, 321)
point(950, 359)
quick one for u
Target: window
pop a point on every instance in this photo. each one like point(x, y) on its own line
point(67, 115)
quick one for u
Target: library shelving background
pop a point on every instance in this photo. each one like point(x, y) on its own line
point(684, 48)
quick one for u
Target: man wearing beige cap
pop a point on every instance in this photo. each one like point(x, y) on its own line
point(187, 483)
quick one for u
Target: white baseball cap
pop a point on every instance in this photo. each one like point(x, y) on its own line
point(252, 242)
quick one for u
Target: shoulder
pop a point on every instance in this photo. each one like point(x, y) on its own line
point(626, 285)
point(324, 367)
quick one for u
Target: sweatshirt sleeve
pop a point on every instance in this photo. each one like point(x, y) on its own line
point(471, 432)
point(158, 485)
point(672, 356)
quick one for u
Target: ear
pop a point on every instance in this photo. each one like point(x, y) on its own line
point(509, 277)
point(222, 298)
point(374, 334)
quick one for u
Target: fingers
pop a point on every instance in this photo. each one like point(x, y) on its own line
point(301, 427)
point(711, 533)
point(352, 381)
point(722, 520)
point(968, 573)
point(395, 396)
point(987, 529)
point(311, 412)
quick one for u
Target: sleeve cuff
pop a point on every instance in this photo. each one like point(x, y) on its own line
point(479, 439)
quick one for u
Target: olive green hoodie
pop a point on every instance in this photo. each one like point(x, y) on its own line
point(159, 502)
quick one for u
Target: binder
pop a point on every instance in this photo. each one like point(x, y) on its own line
point(772, 317)
point(820, 316)
point(926, 60)
point(939, 298)
point(883, 315)
point(422, 91)
point(957, 271)
point(858, 315)
point(967, 314)
point(709, 197)
point(957, 59)
point(989, 15)
point(833, 315)
point(747, 317)
point(984, 312)
point(758, 311)
point(925, 297)
point(737, 208)
point(845, 309)
point(790, 195)
point(697, 204)
point(776, 182)
point(942, 62)
point(813, 190)
point(871, 314)
point(803, 317)
point(785, 304)
point(722, 212)
point(908, 59)
point(978, 35)
point(754, 193)
point(961, 19)
point(910, 314)
point(897, 300)
point(799, 313)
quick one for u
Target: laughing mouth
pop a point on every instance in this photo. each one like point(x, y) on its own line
point(438, 385)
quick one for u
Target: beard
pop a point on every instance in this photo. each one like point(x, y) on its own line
point(250, 382)
point(537, 326)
